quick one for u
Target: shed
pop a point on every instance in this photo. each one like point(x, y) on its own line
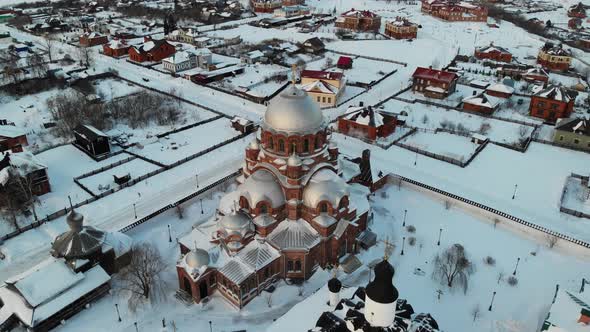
point(344, 62)
point(92, 141)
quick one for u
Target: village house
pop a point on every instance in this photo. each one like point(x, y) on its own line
point(434, 83)
point(578, 10)
point(367, 123)
point(242, 125)
point(401, 28)
point(26, 165)
point(116, 48)
point(500, 90)
point(183, 35)
point(253, 57)
point(314, 45)
point(537, 74)
point(77, 273)
point(290, 214)
point(12, 138)
point(265, 6)
point(551, 102)
point(359, 20)
point(481, 103)
point(89, 39)
point(322, 86)
point(554, 57)
point(92, 141)
point(573, 132)
point(455, 10)
point(179, 61)
point(492, 52)
point(292, 11)
point(151, 51)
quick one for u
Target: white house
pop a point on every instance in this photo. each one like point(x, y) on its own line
point(180, 61)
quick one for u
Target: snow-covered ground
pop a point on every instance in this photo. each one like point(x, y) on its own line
point(104, 181)
point(445, 144)
point(576, 196)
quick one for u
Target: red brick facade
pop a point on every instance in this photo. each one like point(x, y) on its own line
point(93, 39)
point(348, 126)
point(401, 28)
point(359, 20)
point(493, 53)
point(546, 106)
point(455, 11)
point(434, 83)
point(161, 49)
point(14, 144)
point(116, 49)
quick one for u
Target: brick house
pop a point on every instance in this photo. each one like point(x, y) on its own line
point(537, 74)
point(92, 39)
point(500, 90)
point(434, 83)
point(366, 122)
point(481, 103)
point(151, 50)
point(584, 42)
point(359, 20)
point(573, 132)
point(551, 102)
point(401, 28)
point(265, 6)
point(492, 52)
point(578, 10)
point(455, 11)
point(12, 138)
point(290, 214)
point(554, 57)
point(116, 48)
point(324, 87)
point(27, 165)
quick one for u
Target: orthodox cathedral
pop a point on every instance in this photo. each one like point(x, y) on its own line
point(291, 213)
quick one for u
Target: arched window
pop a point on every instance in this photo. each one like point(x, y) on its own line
point(306, 145)
point(281, 145)
point(290, 266)
point(297, 265)
point(263, 208)
point(343, 203)
point(266, 273)
point(323, 207)
point(270, 143)
point(293, 147)
point(318, 142)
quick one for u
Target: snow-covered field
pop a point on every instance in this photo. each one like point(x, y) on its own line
point(177, 146)
point(105, 180)
point(576, 196)
point(445, 144)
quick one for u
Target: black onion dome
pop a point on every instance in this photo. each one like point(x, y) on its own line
point(334, 285)
point(381, 289)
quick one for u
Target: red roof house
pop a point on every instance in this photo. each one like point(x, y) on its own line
point(151, 50)
point(116, 48)
point(344, 62)
point(92, 39)
point(552, 102)
point(434, 83)
point(492, 52)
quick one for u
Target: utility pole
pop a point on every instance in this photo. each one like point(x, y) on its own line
point(492, 303)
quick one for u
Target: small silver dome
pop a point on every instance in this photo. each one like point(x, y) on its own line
point(75, 220)
point(262, 186)
point(236, 223)
point(293, 111)
point(325, 185)
point(197, 258)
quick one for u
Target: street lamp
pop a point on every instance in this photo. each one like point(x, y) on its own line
point(136, 329)
point(118, 314)
point(515, 268)
point(403, 243)
point(439, 234)
point(416, 160)
point(134, 211)
point(514, 193)
point(197, 176)
point(202, 206)
point(169, 234)
point(210, 327)
point(492, 303)
point(405, 213)
point(584, 281)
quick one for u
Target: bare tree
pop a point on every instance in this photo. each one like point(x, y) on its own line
point(142, 279)
point(11, 68)
point(496, 221)
point(37, 65)
point(448, 204)
point(453, 268)
point(48, 45)
point(180, 211)
point(86, 56)
point(512, 281)
point(500, 276)
point(551, 240)
point(18, 193)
